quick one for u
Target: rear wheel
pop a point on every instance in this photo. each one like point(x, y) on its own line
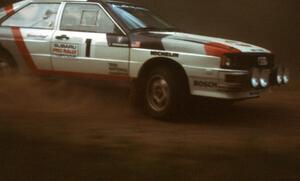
point(163, 93)
point(7, 66)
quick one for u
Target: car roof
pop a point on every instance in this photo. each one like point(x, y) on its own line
point(58, 1)
point(100, 1)
point(117, 2)
point(104, 1)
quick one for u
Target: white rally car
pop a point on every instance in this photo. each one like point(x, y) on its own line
point(120, 41)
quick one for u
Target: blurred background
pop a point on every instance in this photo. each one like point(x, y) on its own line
point(273, 24)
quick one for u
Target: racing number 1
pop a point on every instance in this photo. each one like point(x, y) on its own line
point(88, 43)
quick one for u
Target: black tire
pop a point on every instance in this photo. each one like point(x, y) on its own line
point(8, 66)
point(164, 93)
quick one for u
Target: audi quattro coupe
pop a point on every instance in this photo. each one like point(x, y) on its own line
point(121, 41)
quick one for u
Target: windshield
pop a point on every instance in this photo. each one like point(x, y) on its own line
point(137, 18)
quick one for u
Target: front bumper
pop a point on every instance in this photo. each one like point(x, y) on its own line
point(233, 84)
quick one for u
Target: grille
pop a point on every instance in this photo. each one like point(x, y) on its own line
point(246, 61)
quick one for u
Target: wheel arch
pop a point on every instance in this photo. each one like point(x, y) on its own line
point(4, 52)
point(166, 62)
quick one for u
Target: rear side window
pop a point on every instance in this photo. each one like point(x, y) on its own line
point(87, 18)
point(15, 6)
point(2, 12)
point(34, 16)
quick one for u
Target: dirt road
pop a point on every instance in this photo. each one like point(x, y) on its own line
point(61, 130)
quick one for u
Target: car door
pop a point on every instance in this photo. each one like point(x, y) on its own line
point(89, 42)
point(28, 35)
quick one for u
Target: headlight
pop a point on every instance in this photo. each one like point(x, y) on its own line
point(226, 62)
point(286, 76)
point(255, 78)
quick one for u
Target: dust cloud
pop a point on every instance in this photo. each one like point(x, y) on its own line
point(21, 93)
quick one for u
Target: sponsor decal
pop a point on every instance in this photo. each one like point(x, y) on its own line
point(17, 34)
point(165, 54)
point(206, 84)
point(65, 49)
point(136, 44)
point(38, 37)
point(262, 61)
point(114, 69)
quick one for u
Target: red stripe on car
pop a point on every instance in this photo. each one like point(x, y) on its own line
point(23, 49)
point(219, 49)
point(9, 10)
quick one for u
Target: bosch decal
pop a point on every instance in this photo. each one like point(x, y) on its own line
point(206, 84)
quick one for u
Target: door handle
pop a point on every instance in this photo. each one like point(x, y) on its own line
point(61, 37)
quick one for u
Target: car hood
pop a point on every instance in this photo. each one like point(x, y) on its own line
point(191, 43)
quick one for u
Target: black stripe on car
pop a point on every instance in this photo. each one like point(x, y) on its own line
point(148, 40)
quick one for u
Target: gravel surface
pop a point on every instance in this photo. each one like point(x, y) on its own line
point(65, 130)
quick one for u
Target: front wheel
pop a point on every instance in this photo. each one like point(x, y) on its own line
point(164, 93)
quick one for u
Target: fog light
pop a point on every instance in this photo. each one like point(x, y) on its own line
point(286, 76)
point(254, 82)
point(279, 76)
point(255, 78)
point(264, 79)
point(263, 82)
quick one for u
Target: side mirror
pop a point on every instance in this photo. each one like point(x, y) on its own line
point(117, 40)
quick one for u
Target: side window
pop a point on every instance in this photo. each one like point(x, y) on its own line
point(34, 16)
point(87, 17)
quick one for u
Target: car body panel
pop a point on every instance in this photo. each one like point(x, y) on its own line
point(101, 54)
point(122, 56)
point(189, 43)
